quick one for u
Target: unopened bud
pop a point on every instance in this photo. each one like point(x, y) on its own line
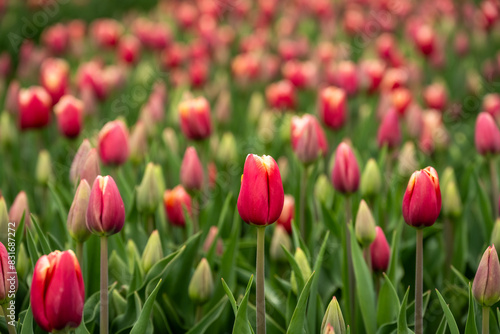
point(153, 251)
point(77, 220)
point(365, 225)
point(280, 238)
point(371, 180)
point(43, 168)
point(148, 192)
point(201, 286)
point(486, 286)
point(305, 268)
point(334, 317)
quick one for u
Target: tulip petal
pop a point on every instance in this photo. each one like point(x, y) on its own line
point(276, 195)
point(37, 293)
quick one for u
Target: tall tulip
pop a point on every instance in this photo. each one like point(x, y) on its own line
point(114, 143)
point(195, 118)
point(308, 139)
point(389, 132)
point(176, 201)
point(34, 108)
point(380, 251)
point(332, 107)
point(69, 114)
point(77, 218)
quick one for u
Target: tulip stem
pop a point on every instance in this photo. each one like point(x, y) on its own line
point(79, 254)
point(418, 283)
point(104, 285)
point(261, 302)
point(486, 320)
point(10, 328)
point(199, 313)
point(494, 186)
point(350, 268)
point(368, 257)
point(448, 238)
point(303, 189)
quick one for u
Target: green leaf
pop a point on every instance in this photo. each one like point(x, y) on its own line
point(299, 314)
point(27, 326)
point(241, 325)
point(470, 325)
point(402, 324)
point(230, 296)
point(484, 203)
point(159, 270)
point(126, 320)
point(33, 252)
point(143, 321)
point(20, 234)
point(222, 217)
point(460, 276)
point(295, 268)
point(44, 243)
point(311, 314)
point(442, 326)
point(388, 301)
point(214, 314)
point(449, 316)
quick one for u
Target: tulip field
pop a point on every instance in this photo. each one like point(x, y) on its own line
point(249, 167)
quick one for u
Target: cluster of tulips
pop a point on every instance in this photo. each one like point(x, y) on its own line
point(118, 215)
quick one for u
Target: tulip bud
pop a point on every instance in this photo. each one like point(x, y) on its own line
point(54, 77)
point(308, 139)
point(8, 276)
point(371, 179)
point(43, 168)
point(280, 238)
point(365, 225)
point(261, 197)
point(380, 251)
point(422, 199)
point(435, 96)
point(407, 160)
point(77, 216)
point(148, 192)
point(212, 233)
point(7, 130)
point(287, 214)
point(18, 208)
point(401, 98)
point(176, 201)
point(23, 265)
point(153, 251)
point(491, 104)
point(133, 256)
point(191, 170)
point(34, 108)
point(138, 142)
point(452, 205)
point(201, 286)
point(305, 269)
point(345, 173)
point(389, 132)
point(106, 212)
point(4, 221)
point(170, 140)
point(57, 292)
point(69, 113)
point(129, 50)
point(425, 39)
point(329, 329)
point(113, 143)
point(495, 234)
point(486, 285)
point(333, 317)
point(487, 135)
point(281, 95)
point(79, 159)
point(332, 107)
point(323, 190)
point(227, 151)
point(195, 118)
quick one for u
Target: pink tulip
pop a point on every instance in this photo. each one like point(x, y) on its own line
point(345, 173)
point(34, 108)
point(308, 139)
point(380, 252)
point(487, 135)
point(195, 118)
point(176, 201)
point(69, 114)
point(191, 170)
point(332, 107)
point(389, 132)
point(113, 143)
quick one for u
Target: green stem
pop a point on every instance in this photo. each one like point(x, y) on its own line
point(150, 223)
point(11, 329)
point(199, 313)
point(196, 212)
point(419, 270)
point(79, 254)
point(303, 188)
point(486, 320)
point(368, 257)
point(494, 186)
point(448, 238)
point(350, 268)
point(261, 302)
point(104, 285)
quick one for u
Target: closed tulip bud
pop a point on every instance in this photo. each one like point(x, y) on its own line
point(201, 286)
point(380, 251)
point(305, 269)
point(78, 160)
point(261, 197)
point(4, 221)
point(329, 330)
point(255, 107)
point(23, 265)
point(69, 114)
point(133, 256)
point(176, 201)
point(495, 234)
point(389, 132)
point(487, 135)
point(323, 190)
point(407, 159)
point(212, 234)
point(422, 199)
point(57, 292)
point(77, 216)
point(138, 142)
point(18, 208)
point(191, 170)
point(43, 168)
point(486, 285)
point(435, 96)
point(281, 95)
point(170, 140)
point(308, 139)
point(153, 251)
point(227, 151)
point(34, 108)
point(280, 238)
point(7, 130)
point(332, 107)
point(148, 192)
point(365, 225)
point(90, 168)
point(401, 98)
point(491, 104)
point(371, 179)
point(8, 277)
point(114, 143)
point(452, 205)
point(106, 212)
point(345, 173)
point(333, 317)
point(129, 50)
point(54, 77)
point(195, 118)
point(288, 214)
point(425, 39)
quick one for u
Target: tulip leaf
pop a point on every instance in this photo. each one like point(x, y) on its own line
point(470, 325)
point(460, 276)
point(126, 320)
point(82, 329)
point(241, 324)
point(484, 203)
point(222, 217)
point(143, 321)
point(160, 320)
point(214, 314)
point(296, 325)
point(44, 243)
point(230, 296)
point(62, 211)
point(364, 286)
point(136, 280)
point(27, 325)
point(442, 326)
point(32, 250)
point(388, 301)
point(449, 316)
point(402, 324)
point(295, 268)
point(160, 268)
point(20, 234)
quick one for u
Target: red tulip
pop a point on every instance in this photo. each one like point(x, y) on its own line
point(191, 170)
point(425, 39)
point(435, 96)
point(372, 72)
point(91, 76)
point(332, 107)
point(105, 212)
point(308, 139)
point(34, 108)
point(129, 50)
point(281, 95)
point(54, 77)
point(56, 38)
point(487, 135)
point(401, 98)
point(380, 251)
point(288, 213)
point(8, 277)
point(57, 292)
point(300, 74)
point(246, 67)
point(422, 199)
point(261, 197)
point(198, 72)
point(345, 173)
point(69, 114)
point(389, 132)
point(345, 75)
point(173, 56)
point(106, 32)
point(113, 143)
point(195, 118)
point(491, 104)
point(12, 97)
point(386, 46)
point(490, 13)
point(176, 201)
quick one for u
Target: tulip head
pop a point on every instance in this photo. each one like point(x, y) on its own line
point(281, 95)
point(201, 286)
point(106, 212)
point(4, 221)
point(69, 114)
point(280, 238)
point(191, 170)
point(425, 39)
point(34, 108)
point(435, 96)
point(401, 98)
point(287, 214)
point(389, 132)
point(261, 197)
point(422, 199)
point(487, 135)
point(129, 50)
point(304, 266)
point(152, 252)
point(452, 204)
point(57, 292)
point(308, 139)
point(8, 276)
point(176, 201)
point(18, 208)
point(486, 285)
point(148, 192)
point(345, 173)
point(332, 107)
point(195, 118)
point(365, 225)
point(371, 179)
point(54, 77)
point(77, 216)
point(380, 251)
point(43, 168)
point(333, 317)
point(491, 104)
point(113, 143)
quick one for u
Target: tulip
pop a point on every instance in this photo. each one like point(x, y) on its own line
point(34, 108)
point(176, 201)
point(57, 292)
point(333, 317)
point(43, 168)
point(365, 226)
point(487, 135)
point(8, 278)
point(148, 192)
point(129, 50)
point(401, 98)
point(82, 163)
point(371, 180)
point(491, 104)
point(305, 269)
point(346, 77)
point(281, 95)
point(332, 107)
point(4, 220)
point(23, 263)
point(425, 39)
point(380, 251)
point(228, 150)
point(12, 97)
point(288, 214)
point(191, 170)
point(19, 208)
point(211, 238)
point(114, 143)
point(56, 38)
point(195, 118)
point(152, 252)
point(280, 239)
point(201, 286)
point(373, 72)
point(308, 139)
point(435, 96)
point(69, 113)
point(389, 132)
point(452, 205)
point(54, 77)
point(486, 285)
point(77, 216)
point(106, 32)
point(345, 173)
point(90, 79)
